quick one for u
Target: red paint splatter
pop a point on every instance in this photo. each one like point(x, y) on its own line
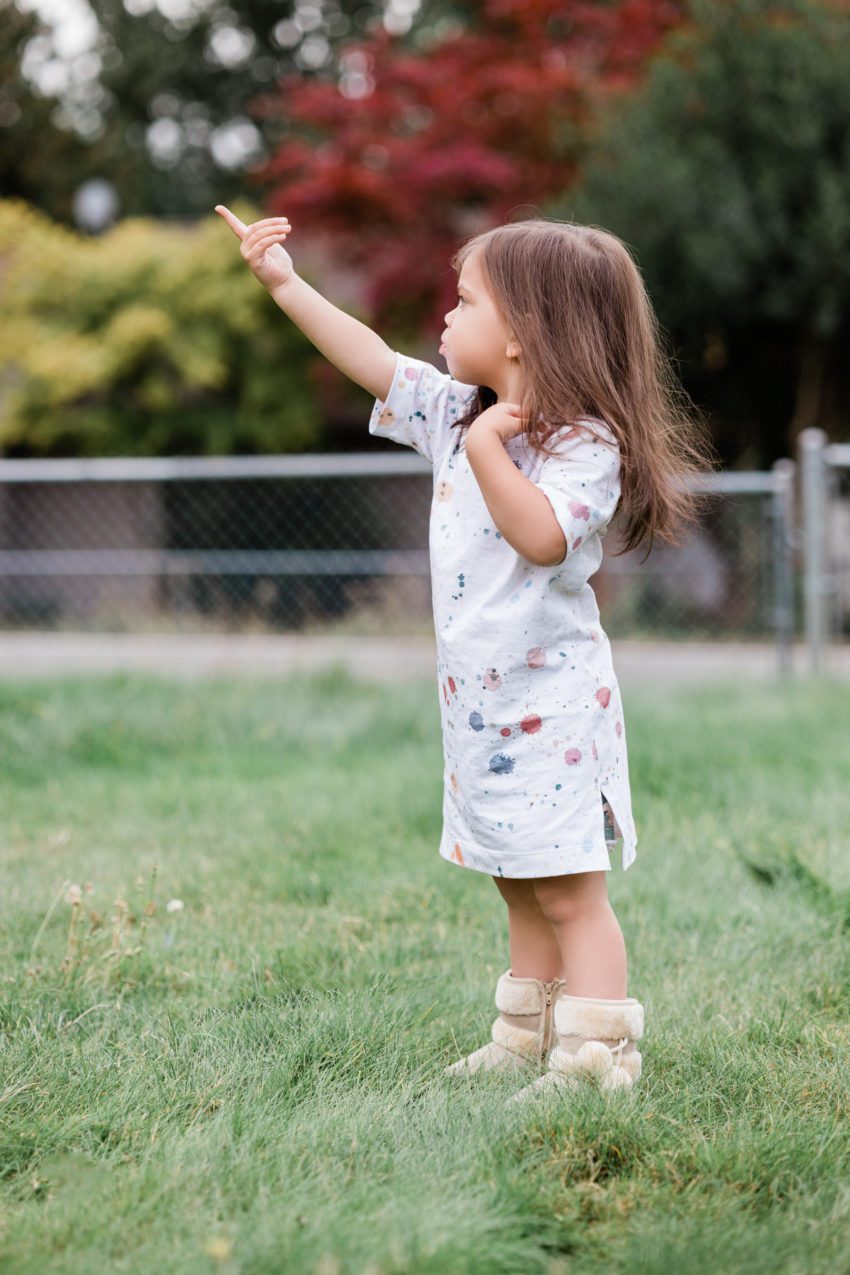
point(535, 657)
point(452, 686)
point(572, 756)
point(578, 510)
point(506, 730)
point(456, 854)
point(619, 728)
point(577, 542)
point(604, 696)
point(531, 724)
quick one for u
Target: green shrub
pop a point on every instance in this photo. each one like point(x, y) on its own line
point(152, 339)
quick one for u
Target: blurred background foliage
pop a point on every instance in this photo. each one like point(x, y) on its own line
point(153, 94)
point(150, 339)
point(413, 149)
point(729, 172)
point(712, 135)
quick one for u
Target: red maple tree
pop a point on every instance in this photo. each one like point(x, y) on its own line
point(406, 153)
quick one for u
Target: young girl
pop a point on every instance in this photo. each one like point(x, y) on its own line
point(559, 406)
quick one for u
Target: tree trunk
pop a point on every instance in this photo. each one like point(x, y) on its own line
point(810, 377)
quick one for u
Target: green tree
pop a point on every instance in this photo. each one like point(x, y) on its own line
point(728, 173)
point(163, 100)
point(39, 161)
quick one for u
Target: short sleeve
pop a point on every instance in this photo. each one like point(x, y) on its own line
point(582, 484)
point(420, 408)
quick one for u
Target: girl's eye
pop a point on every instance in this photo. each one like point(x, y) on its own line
point(459, 298)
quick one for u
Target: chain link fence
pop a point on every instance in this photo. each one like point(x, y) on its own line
point(321, 542)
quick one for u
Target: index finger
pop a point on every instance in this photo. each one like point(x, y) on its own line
point(238, 227)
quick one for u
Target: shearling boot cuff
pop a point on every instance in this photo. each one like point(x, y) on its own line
point(599, 1019)
point(519, 995)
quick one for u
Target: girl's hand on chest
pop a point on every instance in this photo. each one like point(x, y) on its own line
point(502, 419)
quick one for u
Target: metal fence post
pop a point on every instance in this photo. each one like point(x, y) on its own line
point(812, 444)
point(783, 561)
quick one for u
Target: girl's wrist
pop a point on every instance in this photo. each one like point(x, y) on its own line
point(481, 429)
point(502, 420)
point(279, 290)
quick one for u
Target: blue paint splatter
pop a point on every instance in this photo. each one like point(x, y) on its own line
point(501, 764)
point(476, 721)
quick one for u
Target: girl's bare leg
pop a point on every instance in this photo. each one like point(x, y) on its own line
point(534, 949)
point(587, 933)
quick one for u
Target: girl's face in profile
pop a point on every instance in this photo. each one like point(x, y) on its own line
point(476, 343)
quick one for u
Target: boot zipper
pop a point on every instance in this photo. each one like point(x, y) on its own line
point(547, 987)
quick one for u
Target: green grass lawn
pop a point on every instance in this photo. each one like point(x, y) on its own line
point(254, 1083)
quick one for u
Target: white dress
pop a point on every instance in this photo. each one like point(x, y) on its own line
point(533, 730)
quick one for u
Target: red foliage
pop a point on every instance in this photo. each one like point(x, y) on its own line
point(410, 152)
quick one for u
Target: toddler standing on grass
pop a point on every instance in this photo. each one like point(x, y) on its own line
point(559, 407)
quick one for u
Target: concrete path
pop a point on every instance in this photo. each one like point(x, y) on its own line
point(187, 655)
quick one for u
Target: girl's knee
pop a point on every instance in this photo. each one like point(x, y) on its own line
point(564, 898)
point(518, 893)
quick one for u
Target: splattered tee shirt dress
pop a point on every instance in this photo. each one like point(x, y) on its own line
point(533, 730)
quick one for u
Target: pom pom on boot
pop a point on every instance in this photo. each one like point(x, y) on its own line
point(522, 1034)
point(596, 1041)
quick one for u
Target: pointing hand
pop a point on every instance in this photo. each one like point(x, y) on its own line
point(262, 247)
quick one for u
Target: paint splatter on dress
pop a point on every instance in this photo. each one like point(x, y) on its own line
point(534, 739)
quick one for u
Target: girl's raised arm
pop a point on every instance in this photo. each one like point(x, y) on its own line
point(353, 347)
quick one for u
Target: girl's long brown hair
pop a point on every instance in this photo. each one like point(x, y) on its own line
point(591, 344)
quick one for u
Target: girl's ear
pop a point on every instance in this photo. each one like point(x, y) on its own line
point(512, 350)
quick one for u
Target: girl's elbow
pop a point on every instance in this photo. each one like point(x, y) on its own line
point(553, 554)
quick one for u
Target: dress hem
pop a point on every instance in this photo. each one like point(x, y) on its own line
point(525, 866)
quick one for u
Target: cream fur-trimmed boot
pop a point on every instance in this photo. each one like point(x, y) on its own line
point(596, 1040)
point(523, 1032)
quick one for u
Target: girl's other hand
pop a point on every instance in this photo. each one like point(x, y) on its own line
point(502, 419)
point(262, 247)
